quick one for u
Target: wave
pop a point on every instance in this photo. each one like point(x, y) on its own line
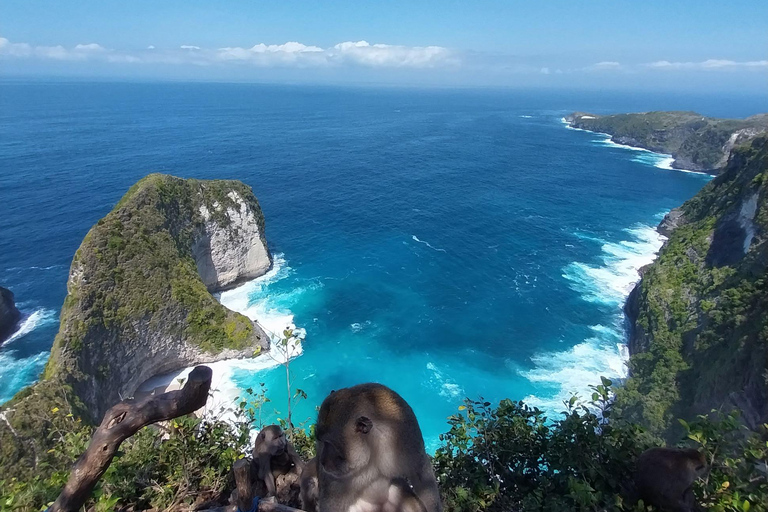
point(17, 373)
point(611, 282)
point(603, 353)
point(415, 238)
point(29, 323)
point(270, 309)
point(447, 386)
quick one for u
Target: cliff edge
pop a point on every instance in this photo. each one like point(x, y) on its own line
point(698, 322)
point(9, 315)
point(696, 142)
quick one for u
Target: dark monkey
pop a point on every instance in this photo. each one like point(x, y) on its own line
point(371, 455)
point(664, 478)
point(309, 488)
point(274, 455)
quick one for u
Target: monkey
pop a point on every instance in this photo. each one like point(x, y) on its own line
point(274, 455)
point(309, 487)
point(664, 478)
point(370, 454)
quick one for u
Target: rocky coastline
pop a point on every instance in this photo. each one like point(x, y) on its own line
point(695, 142)
point(9, 314)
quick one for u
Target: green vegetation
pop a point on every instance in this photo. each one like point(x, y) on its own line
point(492, 459)
point(701, 331)
point(136, 307)
point(697, 142)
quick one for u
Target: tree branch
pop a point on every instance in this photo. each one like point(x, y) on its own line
point(121, 422)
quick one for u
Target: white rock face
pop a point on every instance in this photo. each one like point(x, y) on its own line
point(233, 252)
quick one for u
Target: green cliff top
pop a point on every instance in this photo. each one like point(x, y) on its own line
point(697, 142)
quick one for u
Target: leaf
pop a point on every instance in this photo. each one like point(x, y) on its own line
point(55, 410)
point(745, 506)
point(462, 407)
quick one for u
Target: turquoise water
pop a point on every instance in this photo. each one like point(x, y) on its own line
point(445, 243)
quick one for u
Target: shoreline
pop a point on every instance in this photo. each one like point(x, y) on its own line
point(665, 163)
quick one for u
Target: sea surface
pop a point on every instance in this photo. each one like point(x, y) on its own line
point(449, 244)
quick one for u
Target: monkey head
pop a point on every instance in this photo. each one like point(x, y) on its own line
point(344, 427)
point(696, 462)
point(272, 440)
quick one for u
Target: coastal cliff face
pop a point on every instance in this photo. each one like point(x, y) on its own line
point(139, 304)
point(698, 317)
point(696, 142)
point(9, 315)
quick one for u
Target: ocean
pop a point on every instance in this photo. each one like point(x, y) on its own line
point(447, 243)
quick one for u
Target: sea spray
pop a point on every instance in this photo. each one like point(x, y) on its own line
point(603, 353)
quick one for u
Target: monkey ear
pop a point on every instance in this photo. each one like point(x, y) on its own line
point(363, 424)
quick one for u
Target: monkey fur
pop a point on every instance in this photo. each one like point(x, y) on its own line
point(274, 455)
point(309, 487)
point(371, 455)
point(664, 478)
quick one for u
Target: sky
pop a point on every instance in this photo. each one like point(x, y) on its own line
point(644, 44)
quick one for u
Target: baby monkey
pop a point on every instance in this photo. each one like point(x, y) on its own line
point(370, 454)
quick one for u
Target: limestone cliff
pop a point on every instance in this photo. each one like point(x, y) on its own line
point(696, 142)
point(699, 316)
point(9, 315)
point(139, 301)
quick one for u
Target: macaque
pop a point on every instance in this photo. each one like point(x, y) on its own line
point(664, 478)
point(371, 455)
point(274, 455)
point(309, 487)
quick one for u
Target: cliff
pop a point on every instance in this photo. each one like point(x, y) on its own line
point(698, 322)
point(696, 142)
point(139, 302)
point(9, 315)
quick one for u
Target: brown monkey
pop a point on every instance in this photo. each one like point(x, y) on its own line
point(664, 478)
point(274, 455)
point(371, 455)
point(309, 488)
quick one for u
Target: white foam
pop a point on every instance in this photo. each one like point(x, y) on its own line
point(572, 371)
point(28, 324)
point(254, 300)
point(447, 386)
point(15, 373)
point(610, 282)
point(415, 238)
point(526, 117)
point(564, 373)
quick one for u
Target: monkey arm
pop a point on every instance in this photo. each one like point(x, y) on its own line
point(265, 473)
point(295, 458)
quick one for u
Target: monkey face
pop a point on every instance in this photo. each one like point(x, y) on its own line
point(344, 436)
point(274, 439)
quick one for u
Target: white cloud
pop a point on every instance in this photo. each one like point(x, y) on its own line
point(292, 53)
point(709, 64)
point(545, 71)
point(386, 55)
point(606, 65)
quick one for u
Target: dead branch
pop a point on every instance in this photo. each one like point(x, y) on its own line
point(121, 422)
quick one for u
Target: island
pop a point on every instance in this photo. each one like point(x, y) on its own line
point(696, 142)
point(139, 303)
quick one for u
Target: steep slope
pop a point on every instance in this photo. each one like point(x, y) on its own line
point(699, 316)
point(139, 302)
point(9, 315)
point(696, 142)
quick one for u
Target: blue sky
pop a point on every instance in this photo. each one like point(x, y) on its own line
point(559, 43)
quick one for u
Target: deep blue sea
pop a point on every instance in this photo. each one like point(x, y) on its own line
point(449, 244)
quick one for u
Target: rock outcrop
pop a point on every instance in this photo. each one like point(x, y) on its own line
point(698, 322)
point(695, 142)
point(139, 301)
point(9, 315)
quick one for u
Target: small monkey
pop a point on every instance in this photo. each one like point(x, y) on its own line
point(664, 478)
point(274, 456)
point(371, 455)
point(309, 487)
